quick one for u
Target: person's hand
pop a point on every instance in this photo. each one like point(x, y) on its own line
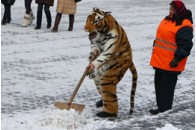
point(90, 68)
point(173, 63)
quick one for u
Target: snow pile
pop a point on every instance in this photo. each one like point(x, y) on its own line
point(168, 127)
point(55, 119)
point(71, 120)
point(62, 119)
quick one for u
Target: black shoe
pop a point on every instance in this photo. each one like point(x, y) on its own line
point(154, 111)
point(3, 23)
point(37, 28)
point(99, 103)
point(48, 26)
point(8, 20)
point(54, 30)
point(105, 114)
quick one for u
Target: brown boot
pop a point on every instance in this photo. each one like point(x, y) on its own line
point(71, 22)
point(57, 21)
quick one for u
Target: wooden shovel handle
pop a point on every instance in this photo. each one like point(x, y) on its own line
point(77, 87)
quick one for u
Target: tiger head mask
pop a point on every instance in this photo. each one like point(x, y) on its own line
point(99, 21)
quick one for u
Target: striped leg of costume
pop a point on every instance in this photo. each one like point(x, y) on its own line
point(107, 78)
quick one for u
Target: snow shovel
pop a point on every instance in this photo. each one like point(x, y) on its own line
point(69, 104)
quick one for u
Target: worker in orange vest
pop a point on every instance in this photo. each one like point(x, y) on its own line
point(171, 48)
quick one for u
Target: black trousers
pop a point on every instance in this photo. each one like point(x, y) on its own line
point(7, 14)
point(28, 6)
point(39, 14)
point(165, 83)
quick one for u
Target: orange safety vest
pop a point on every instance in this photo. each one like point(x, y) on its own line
point(165, 45)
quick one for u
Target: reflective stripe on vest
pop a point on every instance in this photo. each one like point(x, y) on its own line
point(166, 48)
point(166, 42)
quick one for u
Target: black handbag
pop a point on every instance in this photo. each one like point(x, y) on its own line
point(77, 1)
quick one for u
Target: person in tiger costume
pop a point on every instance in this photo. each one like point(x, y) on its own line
point(110, 57)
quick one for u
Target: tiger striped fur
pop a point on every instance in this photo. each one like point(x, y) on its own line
point(111, 55)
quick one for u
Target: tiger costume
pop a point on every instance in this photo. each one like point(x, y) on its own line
point(111, 56)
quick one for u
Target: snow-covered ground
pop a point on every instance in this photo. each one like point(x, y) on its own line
point(39, 67)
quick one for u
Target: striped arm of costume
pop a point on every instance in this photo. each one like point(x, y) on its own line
point(109, 50)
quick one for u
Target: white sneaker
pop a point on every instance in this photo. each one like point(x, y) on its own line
point(26, 20)
point(32, 17)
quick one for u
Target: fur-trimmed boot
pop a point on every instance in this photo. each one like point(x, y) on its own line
point(28, 19)
point(32, 17)
point(25, 21)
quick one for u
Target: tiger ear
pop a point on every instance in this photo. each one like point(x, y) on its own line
point(111, 21)
point(108, 13)
point(95, 9)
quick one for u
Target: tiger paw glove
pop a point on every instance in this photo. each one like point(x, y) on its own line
point(92, 57)
point(91, 70)
point(173, 63)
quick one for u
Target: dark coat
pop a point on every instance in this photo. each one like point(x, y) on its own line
point(47, 2)
point(184, 37)
point(7, 2)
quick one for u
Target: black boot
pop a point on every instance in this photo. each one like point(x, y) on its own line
point(8, 20)
point(56, 23)
point(99, 103)
point(105, 114)
point(71, 22)
point(3, 22)
point(37, 28)
point(154, 111)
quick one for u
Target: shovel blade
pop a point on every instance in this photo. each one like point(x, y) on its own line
point(62, 106)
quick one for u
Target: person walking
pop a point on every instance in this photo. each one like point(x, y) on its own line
point(28, 16)
point(65, 7)
point(171, 49)
point(7, 11)
point(46, 4)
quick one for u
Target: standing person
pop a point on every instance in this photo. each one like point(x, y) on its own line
point(110, 58)
point(65, 7)
point(7, 12)
point(46, 4)
point(172, 46)
point(28, 16)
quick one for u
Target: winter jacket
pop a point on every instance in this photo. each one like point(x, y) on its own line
point(66, 6)
point(47, 2)
point(7, 2)
point(173, 41)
